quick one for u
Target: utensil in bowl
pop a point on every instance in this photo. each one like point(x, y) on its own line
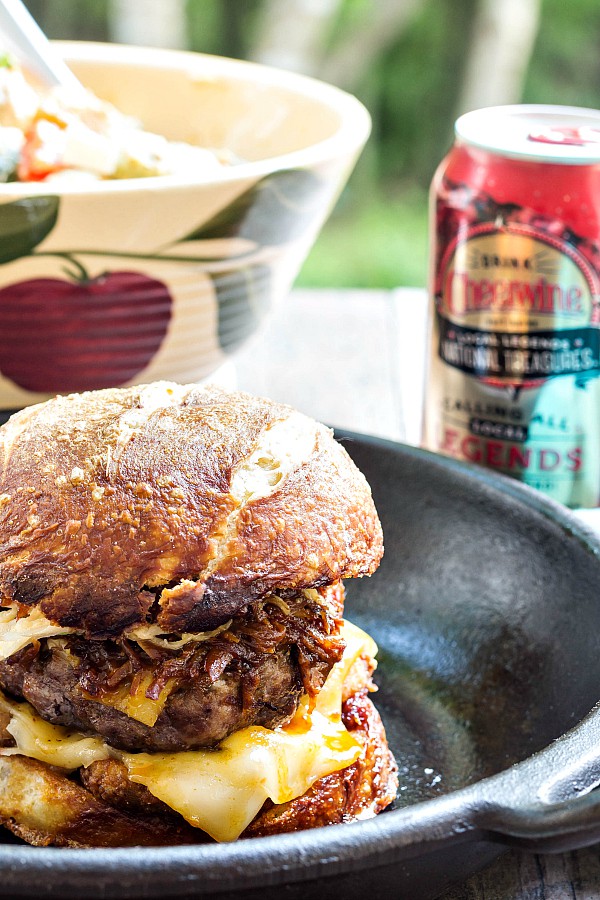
point(486, 613)
point(20, 32)
point(122, 281)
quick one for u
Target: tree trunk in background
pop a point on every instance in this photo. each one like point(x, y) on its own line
point(149, 23)
point(291, 33)
point(380, 28)
point(502, 43)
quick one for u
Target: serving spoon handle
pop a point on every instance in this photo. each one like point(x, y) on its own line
point(27, 40)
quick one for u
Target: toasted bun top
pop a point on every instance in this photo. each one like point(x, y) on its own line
point(190, 500)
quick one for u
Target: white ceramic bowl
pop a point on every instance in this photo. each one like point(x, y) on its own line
point(142, 279)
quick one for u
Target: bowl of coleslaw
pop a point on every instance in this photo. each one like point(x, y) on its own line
point(148, 229)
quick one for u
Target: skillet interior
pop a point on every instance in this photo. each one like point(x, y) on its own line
point(486, 615)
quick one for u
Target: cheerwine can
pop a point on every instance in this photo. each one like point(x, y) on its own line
point(513, 377)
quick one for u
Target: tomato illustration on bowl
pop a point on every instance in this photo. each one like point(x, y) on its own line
point(59, 336)
point(78, 332)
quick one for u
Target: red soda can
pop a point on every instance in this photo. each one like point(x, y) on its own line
point(513, 375)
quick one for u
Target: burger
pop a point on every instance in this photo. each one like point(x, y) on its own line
point(174, 662)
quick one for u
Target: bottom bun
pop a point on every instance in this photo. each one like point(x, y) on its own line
point(361, 791)
point(101, 807)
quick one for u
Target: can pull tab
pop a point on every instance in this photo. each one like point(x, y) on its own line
point(563, 134)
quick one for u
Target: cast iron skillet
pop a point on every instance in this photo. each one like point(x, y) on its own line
point(486, 610)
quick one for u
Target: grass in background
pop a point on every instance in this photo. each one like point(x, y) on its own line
point(381, 243)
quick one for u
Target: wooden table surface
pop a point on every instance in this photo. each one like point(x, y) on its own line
point(355, 360)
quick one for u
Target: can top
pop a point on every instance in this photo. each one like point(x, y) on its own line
point(558, 134)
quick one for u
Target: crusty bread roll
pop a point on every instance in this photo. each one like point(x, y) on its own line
point(174, 660)
point(192, 498)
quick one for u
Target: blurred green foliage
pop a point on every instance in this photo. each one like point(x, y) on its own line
point(72, 19)
point(377, 235)
point(566, 64)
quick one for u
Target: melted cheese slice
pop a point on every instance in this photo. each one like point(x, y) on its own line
point(132, 700)
point(51, 744)
point(18, 633)
point(221, 790)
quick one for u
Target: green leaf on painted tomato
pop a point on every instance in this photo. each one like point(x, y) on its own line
point(275, 210)
point(24, 224)
point(243, 298)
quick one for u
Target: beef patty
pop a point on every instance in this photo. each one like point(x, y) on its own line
point(251, 673)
